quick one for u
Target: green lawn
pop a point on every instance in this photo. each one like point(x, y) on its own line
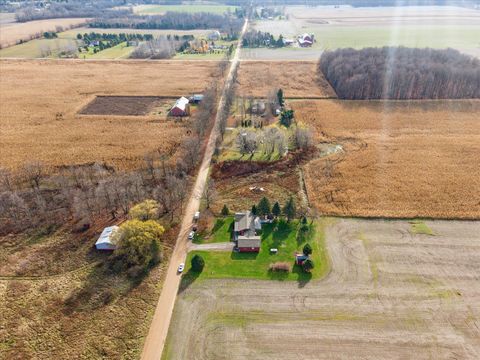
point(120, 51)
point(282, 236)
point(221, 232)
point(434, 36)
point(160, 9)
point(37, 48)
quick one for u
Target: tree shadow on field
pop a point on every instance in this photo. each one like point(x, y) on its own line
point(303, 278)
point(188, 279)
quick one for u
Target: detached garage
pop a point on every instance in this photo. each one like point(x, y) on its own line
point(181, 107)
point(106, 241)
point(248, 244)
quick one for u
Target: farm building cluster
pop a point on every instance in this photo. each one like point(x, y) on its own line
point(182, 105)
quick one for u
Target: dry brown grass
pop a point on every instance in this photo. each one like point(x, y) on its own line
point(39, 101)
point(400, 159)
point(296, 78)
point(10, 33)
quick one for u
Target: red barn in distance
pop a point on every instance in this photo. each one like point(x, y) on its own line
point(181, 107)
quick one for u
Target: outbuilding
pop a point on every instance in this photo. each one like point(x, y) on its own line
point(248, 243)
point(181, 107)
point(106, 240)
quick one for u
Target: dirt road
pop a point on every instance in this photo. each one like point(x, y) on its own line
point(157, 334)
point(392, 293)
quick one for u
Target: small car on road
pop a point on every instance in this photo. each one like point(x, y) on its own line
point(191, 235)
point(181, 267)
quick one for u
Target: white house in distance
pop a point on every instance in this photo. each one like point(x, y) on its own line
point(105, 241)
point(306, 40)
point(181, 107)
point(214, 35)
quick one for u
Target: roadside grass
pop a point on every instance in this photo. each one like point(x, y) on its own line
point(419, 227)
point(160, 9)
point(221, 232)
point(280, 235)
point(209, 56)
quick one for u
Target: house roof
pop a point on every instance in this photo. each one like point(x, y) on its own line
point(181, 103)
point(251, 241)
point(246, 221)
point(106, 236)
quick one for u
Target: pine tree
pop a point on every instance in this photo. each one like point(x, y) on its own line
point(225, 210)
point(197, 263)
point(307, 250)
point(254, 210)
point(289, 210)
point(280, 97)
point(263, 207)
point(276, 211)
point(308, 265)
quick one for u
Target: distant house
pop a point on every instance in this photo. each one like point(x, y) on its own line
point(245, 232)
point(196, 98)
point(181, 107)
point(288, 42)
point(94, 43)
point(214, 35)
point(105, 241)
point(305, 40)
point(300, 258)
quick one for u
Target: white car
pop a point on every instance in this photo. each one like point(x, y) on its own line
point(191, 235)
point(181, 267)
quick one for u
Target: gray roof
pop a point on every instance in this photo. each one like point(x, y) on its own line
point(246, 221)
point(252, 241)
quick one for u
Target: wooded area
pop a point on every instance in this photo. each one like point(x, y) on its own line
point(401, 73)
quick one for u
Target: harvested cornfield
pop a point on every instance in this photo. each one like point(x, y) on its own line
point(39, 102)
point(394, 159)
point(295, 78)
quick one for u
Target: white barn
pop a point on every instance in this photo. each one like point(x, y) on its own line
point(105, 241)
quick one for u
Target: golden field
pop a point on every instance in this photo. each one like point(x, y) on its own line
point(299, 79)
point(39, 102)
point(12, 32)
point(399, 159)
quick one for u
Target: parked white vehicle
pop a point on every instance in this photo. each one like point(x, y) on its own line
point(181, 267)
point(191, 235)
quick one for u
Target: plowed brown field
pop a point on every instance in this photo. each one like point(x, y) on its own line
point(397, 159)
point(391, 294)
point(39, 102)
point(296, 78)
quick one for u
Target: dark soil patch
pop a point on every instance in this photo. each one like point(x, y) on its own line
point(123, 105)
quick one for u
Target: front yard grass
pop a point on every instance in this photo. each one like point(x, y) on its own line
point(280, 235)
point(221, 232)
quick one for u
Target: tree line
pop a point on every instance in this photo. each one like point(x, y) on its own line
point(401, 73)
point(256, 39)
point(172, 20)
point(36, 196)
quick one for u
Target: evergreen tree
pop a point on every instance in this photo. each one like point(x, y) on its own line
point(276, 211)
point(254, 210)
point(280, 97)
point(225, 210)
point(197, 263)
point(307, 250)
point(289, 210)
point(263, 207)
point(308, 265)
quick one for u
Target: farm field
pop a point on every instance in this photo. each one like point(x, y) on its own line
point(437, 27)
point(38, 48)
point(56, 300)
point(394, 159)
point(12, 32)
point(296, 78)
point(391, 290)
point(162, 9)
point(39, 110)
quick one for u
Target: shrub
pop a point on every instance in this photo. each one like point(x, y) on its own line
point(308, 265)
point(307, 250)
point(197, 263)
point(225, 210)
point(280, 267)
